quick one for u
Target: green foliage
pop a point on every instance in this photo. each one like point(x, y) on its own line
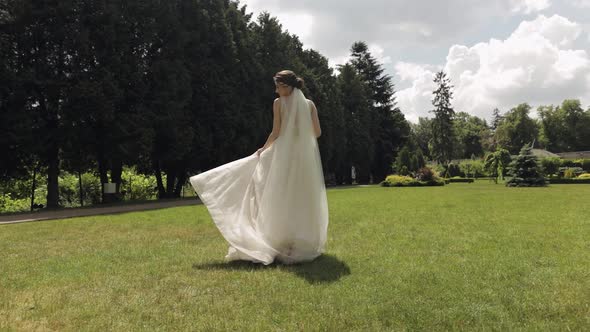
point(470, 132)
point(138, 186)
point(516, 129)
point(584, 176)
point(524, 170)
point(451, 170)
point(421, 134)
point(496, 163)
point(565, 127)
point(134, 186)
point(10, 204)
point(472, 168)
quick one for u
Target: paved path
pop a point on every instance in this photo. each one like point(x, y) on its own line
point(92, 211)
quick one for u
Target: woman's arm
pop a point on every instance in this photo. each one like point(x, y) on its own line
point(316, 121)
point(276, 124)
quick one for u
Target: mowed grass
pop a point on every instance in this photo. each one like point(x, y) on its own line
point(463, 256)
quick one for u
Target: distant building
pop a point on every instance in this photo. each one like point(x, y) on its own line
point(574, 155)
point(540, 153)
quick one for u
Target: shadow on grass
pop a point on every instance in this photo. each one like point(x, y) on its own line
point(324, 269)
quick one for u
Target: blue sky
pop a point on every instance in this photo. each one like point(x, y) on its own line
point(498, 53)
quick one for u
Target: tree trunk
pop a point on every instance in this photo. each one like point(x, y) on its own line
point(81, 191)
point(170, 181)
point(180, 183)
point(104, 177)
point(52, 178)
point(158, 174)
point(34, 187)
point(116, 171)
point(362, 175)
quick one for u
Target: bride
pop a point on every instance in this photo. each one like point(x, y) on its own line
point(272, 205)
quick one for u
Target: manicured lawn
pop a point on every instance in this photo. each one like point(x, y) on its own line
point(463, 256)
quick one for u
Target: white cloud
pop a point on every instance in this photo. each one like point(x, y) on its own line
point(414, 101)
point(529, 6)
point(331, 26)
point(535, 64)
point(581, 3)
point(379, 53)
point(300, 24)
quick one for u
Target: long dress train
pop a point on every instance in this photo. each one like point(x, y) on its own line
point(272, 206)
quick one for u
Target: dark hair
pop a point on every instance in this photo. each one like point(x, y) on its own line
point(289, 78)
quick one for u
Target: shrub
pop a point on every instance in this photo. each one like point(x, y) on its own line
point(9, 204)
point(570, 172)
point(584, 176)
point(398, 181)
point(406, 181)
point(425, 174)
point(550, 165)
point(138, 186)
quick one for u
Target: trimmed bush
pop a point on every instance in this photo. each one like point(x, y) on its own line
point(406, 181)
point(569, 181)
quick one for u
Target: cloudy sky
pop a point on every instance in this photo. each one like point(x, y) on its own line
point(498, 53)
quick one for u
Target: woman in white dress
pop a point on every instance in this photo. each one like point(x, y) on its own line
point(272, 205)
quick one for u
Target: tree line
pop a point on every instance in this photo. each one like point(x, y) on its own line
point(449, 135)
point(172, 88)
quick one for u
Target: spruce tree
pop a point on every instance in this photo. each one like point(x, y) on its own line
point(524, 170)
point(442, 124)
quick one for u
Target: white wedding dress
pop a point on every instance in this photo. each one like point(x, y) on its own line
point(272, 206)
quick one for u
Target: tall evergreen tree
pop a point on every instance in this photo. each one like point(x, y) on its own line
point(442, 124)
point(389, 127)
point(355, 106)
point(496, 118)
point(43, 46)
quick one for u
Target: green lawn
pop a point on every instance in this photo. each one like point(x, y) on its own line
point(463, 256)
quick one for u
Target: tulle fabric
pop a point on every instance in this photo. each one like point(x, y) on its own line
point(273, 206)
